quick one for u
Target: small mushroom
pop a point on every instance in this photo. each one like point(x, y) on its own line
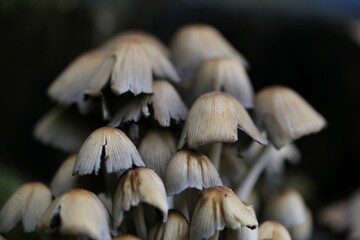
point(77, 213)
point(176, 227)
point(216, 208)
point(110, 146)
point(271, 230)
point(27, 205)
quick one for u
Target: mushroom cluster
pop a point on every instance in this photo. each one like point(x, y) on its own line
point(166, 144)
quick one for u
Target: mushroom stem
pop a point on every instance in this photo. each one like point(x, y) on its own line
point(191, 197)
point(215, 154)
point(140, 224)
point(252, 176)
point(215, 236)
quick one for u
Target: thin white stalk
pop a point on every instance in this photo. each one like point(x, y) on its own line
point(215, 154)
point(140, 224)
point(253, 175)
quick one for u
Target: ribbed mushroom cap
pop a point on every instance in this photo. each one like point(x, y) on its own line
point(176, 227)
point(132, 66)
point(157, 148)
point(166, 104)
point(135, 36)
point(110, 145)
point(285, 115)
point(64, 129)
point(72, 83)
point(136, 186)
point(216, 208)
point(287, 207)
point(188, 169)
point(126, 237)
point(271, 230)
point(216, 117)
point(193, 44)
point(27, 205)
point(226, 75)
point(79, 213)
point(63, 179)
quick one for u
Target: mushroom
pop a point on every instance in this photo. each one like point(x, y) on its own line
point(215, 118)
point(27, 205)
point(176, 227)
point(134, 187)
point(226, 75)
point(272, 230)
point(77, 213)
point(109, 146)
point(126, 237)
point(216, 208)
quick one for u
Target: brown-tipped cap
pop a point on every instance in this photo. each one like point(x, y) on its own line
point(79, 213)
point(64, 129)
point(135, 186)
point(176, 227)
point(285, 115)
point(165, 101)
point(72, 83)
point(216, 208)
point(63, 179)
point(156, 149)
point(287, 207)
point(189, 169)
point(193, 44)
point(271, 230)
point(216, 117)
point(226, 75)
point(27, 204)
point(110, 145)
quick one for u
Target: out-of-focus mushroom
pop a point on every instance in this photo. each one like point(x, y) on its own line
point(27, 205)
point(271, 230)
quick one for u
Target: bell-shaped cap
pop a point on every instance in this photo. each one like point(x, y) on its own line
point(285, 115)
point(63, 128)
point(217, 117)
point(216, 208)
point(157, 148)
point(72, 83)
point(63, 179)
point(193, 44)
point(226, 75)
point(110, 145)
point(135, 186)
point(271, 230)
point(176, 227)
point(166, 104)
point(27, 205)
point(287, 207)
point(188, 169)
point(77, 213)
point(132, 65)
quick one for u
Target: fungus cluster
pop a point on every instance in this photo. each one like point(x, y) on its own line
point(162, 145)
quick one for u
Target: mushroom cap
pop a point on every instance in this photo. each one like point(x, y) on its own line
point(165, 101)
point(226, 75)
point(70, 86)
point(27, 204)
point(193, 44)
point(216, 117)
point(176, 227)
point(216, 208)
point(285, 115)
point(272, 230)
point(135, 186)
point(189, 169)
point(157, 148)
point(80, 213)
point(110, 145)
point(63, 179)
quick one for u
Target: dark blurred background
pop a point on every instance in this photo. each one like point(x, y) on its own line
point(310, 46)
